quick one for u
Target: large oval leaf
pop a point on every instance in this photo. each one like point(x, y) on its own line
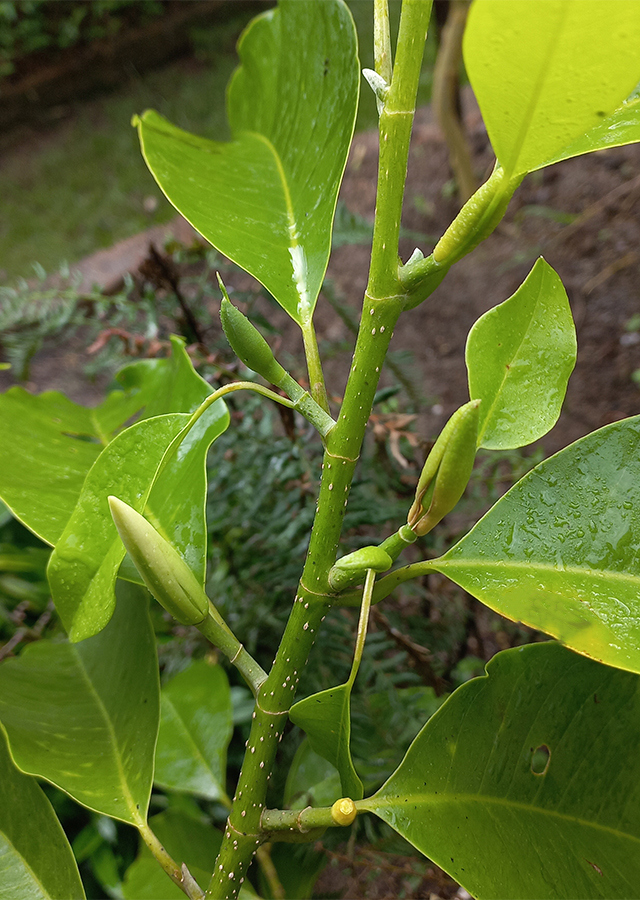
point(267, 199)
point(85, 716)
point(561, 550)
point(36, 862)
point(196, 724)
point(520, 355)
point(526, 783)
point(547, 73)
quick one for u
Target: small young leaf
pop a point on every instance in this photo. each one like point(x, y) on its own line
point(311, 781)
point(326, 720)
point(36, 862)
point(520, 355)
point(472, 796)
point(267, 199)
point(195, 730)
point(545, 76)
point(561, 550)
point(85, 716)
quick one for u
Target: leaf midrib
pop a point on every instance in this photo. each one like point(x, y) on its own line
point(537, 90)
point(433, 799)
point(507, 373)
point(529, 565)
point(138, 820)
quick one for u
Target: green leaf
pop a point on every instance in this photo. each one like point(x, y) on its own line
point(84, 564)
point(48, 443)
point(547, 80)
point(326, 719)
point(267, 199)
point(526, 783)
point(520, 355)
point(312, 780)
point(85, 716)
point(620, 128)
point(561, 550)
point(36, 862)
point(195, 729)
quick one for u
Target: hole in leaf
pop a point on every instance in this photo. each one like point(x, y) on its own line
point(540, 759)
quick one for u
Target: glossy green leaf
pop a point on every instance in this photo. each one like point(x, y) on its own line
point(85, 716)
point(326, 719)
point(84, 564)
point(561, 550)
point(467, 794)
point(620, 128)
point(48, 443)
point(267, 199)
point(36, 862)
point(176, 505)
point(548, 74)
point(520, 355)
point(195, 729)
point(311, 781)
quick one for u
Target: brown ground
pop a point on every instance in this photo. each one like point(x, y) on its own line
point(597, 258)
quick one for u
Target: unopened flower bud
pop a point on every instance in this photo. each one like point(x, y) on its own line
point(352, 569)
point(344, 811)
point(447, 469)
point(161, 567)
point(248, 344)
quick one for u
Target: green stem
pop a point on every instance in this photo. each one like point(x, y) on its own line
point(382, 40)
point(384, 301)
point(178, 875)
point(363, 624)
point(215, 629)
point(389, 583)
point(314, 366)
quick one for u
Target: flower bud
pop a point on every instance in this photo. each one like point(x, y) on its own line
point(447, 469)
point(344, 811)
point(161, 567)
point(351, 569)
point(248, 344)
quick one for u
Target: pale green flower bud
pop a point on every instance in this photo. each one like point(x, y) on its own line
point(248, 344)
point(161, 567)
point(447, 469)
point(352, 569)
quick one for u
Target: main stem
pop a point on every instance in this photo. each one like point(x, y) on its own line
point(383, 303)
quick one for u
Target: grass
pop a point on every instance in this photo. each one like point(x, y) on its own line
point(81, 185)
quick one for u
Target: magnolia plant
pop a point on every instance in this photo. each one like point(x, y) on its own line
point(525, 782)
